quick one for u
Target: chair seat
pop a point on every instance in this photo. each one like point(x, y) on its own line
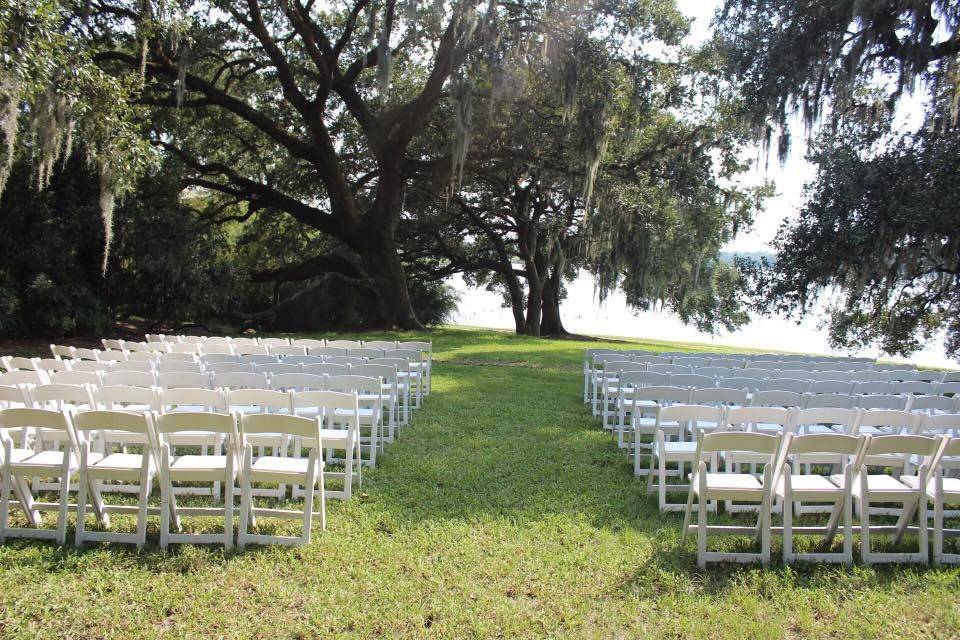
point(880, 486)
point(52, 460)
point(729, 485)
point(19, 455)
point(676, 450)
point(199, 463)
point(811, 484)
point(275, 465)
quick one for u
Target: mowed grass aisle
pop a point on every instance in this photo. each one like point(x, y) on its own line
point(503, 511)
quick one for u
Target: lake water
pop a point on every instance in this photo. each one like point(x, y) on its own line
point(582, 313)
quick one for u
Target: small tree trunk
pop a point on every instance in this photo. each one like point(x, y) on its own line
point(534, 306)
point(551, 323)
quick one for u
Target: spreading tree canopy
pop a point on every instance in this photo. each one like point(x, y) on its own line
point(877, 232)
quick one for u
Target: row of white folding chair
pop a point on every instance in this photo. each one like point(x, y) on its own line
point(118, 397)
point(157, 460)
point(781, 481)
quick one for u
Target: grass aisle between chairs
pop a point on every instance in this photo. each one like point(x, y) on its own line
point(503, 510)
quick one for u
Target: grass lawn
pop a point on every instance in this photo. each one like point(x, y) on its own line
point(502, 511)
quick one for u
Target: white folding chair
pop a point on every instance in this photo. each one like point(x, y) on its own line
point(307, 343)
point(369, 392)
point(945, 491)
point(836, 490)
point(884, 488)
point(647, 402)
point(343, 344)
point(276, 342)
point(262, 400)
point(280, 470)
point(98, 467)
point(742, 487)
point(339, 415)
point(21, 464)
point(145, 379)
point(215, 469)
point(667, 452)
point(297, 382)
point(183, 380)
point(390, 383)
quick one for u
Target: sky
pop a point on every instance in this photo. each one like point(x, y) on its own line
point(583, 313)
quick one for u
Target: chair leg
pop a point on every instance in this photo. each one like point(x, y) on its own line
point(64, 503)
point(848, 529)
point(922, 525)
point(228, 504)
point(146, 483)
point(937, 523)
point(81, 506)
point(245, 505)
point(5, 497)
point(788, 557)
point(686, 516)
point(865, 554)
point(164, 510)
point(702, 531)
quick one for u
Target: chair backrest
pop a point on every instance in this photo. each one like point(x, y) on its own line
point(286, 350)
point(257, 358)
point(344, 344)
point(644, 379)
point(831, 386)
point(745, 418)
point(407, 354)
point(915, 387)
point(833, 416)
point(690, 413)
point(863, 388)
point(948, 388)
point(61, 396)
point(691, 361)
point(82, 353)
point(216, 348)
point(354, 384)
point(326, 369)
point(866, 376)
point(795, 374)
point(76, 377)
point(184, 347)
point(61, 351)
point(23, 417)
point(263, 400)
point(218, 358)
point(900, 421)
point(927, 375)
point(899, 375)
point(251, 350)
point(796, 365)
point(951, 376)
point(651, 360)
point(51, 364)
point(757, 372)
point(727, 363)
point(882, 401)
point(298, 426)
point(240, 380)
point(719, 396)
point(191, 398)
point(324, 403)
point(830, 401)
point(228, 367)
point(171, 357)
point(14, 397)
point(851, 447)
point(764, 358)
point(112, 355)
point(692, 381)
point(194, 338)
point(23, 377)
point(740, 382)
point(276, 342)
point(663, 395)
point(715, 372)
point(739, 441)
point(307, 343)
point(942, 423)
point(787, 384)
point(275, 368)
point(933, 404)
point(386, 372)
point(136, 422)
point(144, 379)
point(88, 365)
point(383, 345)
point(215, 422)
point(771, 365)
point(776, 398)
point(185, 366)
point(244, 342)
point(327, 352)
point(19, 363)
point(137, 357)
point(832, 375)
point(903, 444)
point(112, 344)
point(183, 379)
point(119, 396)
point(144, 366)
point(366, 353)
point(669, 368)
point(346, 360)
point(299, 360)
point(296, 381)
point(416, 345)
point(134, 346)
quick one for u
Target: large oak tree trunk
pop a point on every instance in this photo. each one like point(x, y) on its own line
point(381, 262)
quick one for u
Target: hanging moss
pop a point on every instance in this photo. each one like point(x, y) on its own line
point(9, 123)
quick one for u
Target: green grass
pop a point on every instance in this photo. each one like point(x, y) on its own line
point(502, 511)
